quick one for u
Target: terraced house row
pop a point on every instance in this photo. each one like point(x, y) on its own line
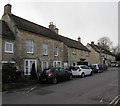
point(25, 43)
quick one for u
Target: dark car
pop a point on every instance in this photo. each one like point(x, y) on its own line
point(55, 75)
point(97, 68)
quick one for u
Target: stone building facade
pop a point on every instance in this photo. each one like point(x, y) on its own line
point(99, 55)
point(33, 43)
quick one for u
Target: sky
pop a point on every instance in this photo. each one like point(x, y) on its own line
point(88, 19)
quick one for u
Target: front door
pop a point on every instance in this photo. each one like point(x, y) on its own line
point(28, 66)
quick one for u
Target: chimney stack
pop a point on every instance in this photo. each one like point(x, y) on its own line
point(56, 30)
point(79, 39)
point(7, 9)
point(92, 42)
point(53, 28)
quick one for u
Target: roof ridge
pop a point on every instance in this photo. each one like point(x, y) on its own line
point(27, 25)
point(29, 21)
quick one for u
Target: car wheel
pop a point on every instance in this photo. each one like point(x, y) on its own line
point(82, 75)
point(54, 80)
point(71, 77)
point(98, 71)
point(91, 73)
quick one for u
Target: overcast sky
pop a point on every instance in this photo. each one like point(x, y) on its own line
point(88, 20)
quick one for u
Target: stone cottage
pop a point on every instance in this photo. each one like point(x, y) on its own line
point(32, 43)
point(99, 55)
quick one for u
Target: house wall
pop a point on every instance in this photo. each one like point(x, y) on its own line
point(20, 47)
point(95, 57)
point(65, 55)
point(74, 55)
point(108, 58)
point(7, 56)
point(37, 54)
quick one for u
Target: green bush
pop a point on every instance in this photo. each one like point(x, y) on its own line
point(9, 73)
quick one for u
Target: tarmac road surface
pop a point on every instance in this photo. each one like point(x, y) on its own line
point(101, 88)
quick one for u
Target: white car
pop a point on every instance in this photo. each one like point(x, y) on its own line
point(81, 70)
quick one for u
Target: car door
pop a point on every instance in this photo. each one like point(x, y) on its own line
point(84, 69)
point(87, 70)
point(62, 74)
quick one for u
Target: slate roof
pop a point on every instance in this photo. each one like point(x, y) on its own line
point(95, 48)
point(5, 31)
point(40, 30)
point(74, 44)
point(101, 49)
point(33, 27)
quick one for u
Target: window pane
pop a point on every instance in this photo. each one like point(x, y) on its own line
point(30, 46)
point(45, 49)
point(8, 47)
point(44, 65)
point(56, 51)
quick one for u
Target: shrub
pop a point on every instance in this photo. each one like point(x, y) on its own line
point(9, 73)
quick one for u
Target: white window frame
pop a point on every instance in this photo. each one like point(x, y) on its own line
point(10, 44)
point(56, 49)
point(8, 62)
point(55, 63)
point(47, 63)
point(30, 48)
point(45, 49)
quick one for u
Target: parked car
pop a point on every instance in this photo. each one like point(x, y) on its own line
point(97, 68)
point(55, 75)
point(81, 70)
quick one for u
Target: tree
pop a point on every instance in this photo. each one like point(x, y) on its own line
point(105, 42)
point(116, 51)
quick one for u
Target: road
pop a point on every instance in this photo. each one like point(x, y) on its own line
point(100, 88)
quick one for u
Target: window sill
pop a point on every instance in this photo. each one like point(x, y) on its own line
point(9, 52)
point(29, 52)
point(45, 54)
point(56, 56)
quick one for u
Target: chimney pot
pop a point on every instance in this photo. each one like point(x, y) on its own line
point(7, 9)
point(79, 39)
point(98, 44)
point(92, 42)
point(51, 26)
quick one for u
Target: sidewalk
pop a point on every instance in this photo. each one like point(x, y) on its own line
point(18, 85)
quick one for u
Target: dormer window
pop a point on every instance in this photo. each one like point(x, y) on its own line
point(8, 47)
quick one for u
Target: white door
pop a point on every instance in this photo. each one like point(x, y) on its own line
point(28, 66)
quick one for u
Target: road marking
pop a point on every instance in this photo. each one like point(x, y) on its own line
point(114, 101)
point(117, 101)
point(101, 101)
point(31, 89)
